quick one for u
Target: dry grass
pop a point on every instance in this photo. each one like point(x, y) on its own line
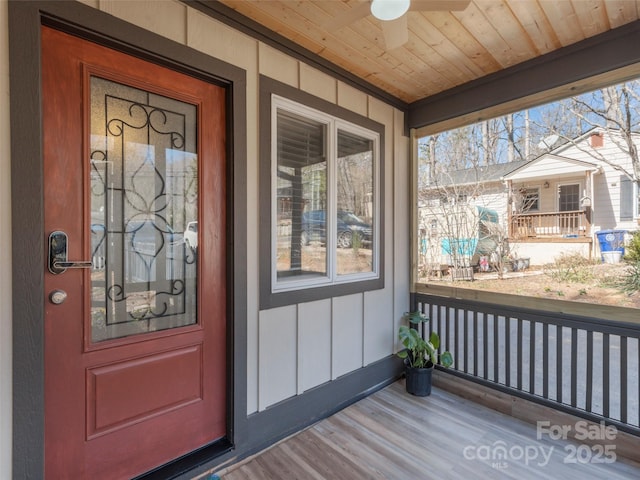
point(597, 286)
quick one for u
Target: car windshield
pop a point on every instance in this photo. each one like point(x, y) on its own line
point(349, 217)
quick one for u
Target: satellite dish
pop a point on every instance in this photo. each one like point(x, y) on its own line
point(548, 142)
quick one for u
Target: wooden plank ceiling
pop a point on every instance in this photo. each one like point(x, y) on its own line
point(444, 49)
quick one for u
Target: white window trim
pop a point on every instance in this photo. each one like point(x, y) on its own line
point(333, 125)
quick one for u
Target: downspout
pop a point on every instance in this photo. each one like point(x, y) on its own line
point(592, 173)
point(509, 185)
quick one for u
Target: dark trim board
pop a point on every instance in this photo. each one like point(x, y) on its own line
point(294, 414)
point(25, 20)
point(602, 53)
point(269, 87)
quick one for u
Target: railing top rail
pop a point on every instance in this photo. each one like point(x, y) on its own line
point(551, 318)
point(547, 306)
point(539, 214)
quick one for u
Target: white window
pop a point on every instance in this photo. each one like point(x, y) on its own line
point(324, 199)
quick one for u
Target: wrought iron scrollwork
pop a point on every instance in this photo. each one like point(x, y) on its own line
point(148, 272)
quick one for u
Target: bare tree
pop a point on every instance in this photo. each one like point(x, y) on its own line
point(614, 109)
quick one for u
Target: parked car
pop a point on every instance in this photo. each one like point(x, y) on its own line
point(314, 227)
point(191, 235)
point(149, 232)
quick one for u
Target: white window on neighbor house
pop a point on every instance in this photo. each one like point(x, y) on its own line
point(324, 199)
point(629, 199)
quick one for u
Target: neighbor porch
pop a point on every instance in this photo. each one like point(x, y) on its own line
point(565, 225)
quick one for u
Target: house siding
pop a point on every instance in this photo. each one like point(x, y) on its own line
point(606, 207)
point(5, 253)
point(289, 350)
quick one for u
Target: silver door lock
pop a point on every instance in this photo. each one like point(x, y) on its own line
point(57, 297)
point(58, 262)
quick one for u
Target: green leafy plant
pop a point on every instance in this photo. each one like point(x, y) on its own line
point(630, 282)
point(418, 352)
point(632, 250)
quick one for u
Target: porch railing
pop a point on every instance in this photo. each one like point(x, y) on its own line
point(584, 366)
point(550, 224)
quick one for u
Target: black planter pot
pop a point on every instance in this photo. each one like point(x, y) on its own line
point(419, 381)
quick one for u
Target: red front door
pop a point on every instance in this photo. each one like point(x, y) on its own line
point(135, 329)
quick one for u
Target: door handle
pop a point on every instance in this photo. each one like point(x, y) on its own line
point(58, 261)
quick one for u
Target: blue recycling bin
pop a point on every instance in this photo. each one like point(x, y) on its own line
point(611, 241)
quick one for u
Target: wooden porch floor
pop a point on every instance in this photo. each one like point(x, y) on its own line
point(393, 435)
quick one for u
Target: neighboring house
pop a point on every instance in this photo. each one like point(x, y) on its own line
point(455, 207)
point(561, 199)
point(554, 203)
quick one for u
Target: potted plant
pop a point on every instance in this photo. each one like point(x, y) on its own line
point(420, 355)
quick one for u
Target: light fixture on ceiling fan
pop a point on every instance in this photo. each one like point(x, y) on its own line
point(391, 14)
point(389, 9)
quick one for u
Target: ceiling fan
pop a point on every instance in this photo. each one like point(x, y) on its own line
point(391, 14)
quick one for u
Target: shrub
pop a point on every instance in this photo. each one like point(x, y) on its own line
point(630, 282)
point(570, 267)
point(632, 250)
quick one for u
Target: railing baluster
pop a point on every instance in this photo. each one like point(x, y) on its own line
point(623, 379)
point(496, 348)
point(475, 343)
point(520, 347)
point(574, 367)
point(590, 359)
point(559, 334)
point(448, 337)
point(431, 315)
point(485, 350)
point(545, 360)
point(439, 308)
point(532, 357)
point(456, 338)
point(507, 351)
point(465, 340)
point(605, 374)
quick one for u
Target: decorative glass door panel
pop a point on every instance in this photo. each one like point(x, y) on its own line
point(144, 192)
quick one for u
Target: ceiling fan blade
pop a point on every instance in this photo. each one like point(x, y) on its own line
point(395, 32)
point(440, 5)
point(348, 17)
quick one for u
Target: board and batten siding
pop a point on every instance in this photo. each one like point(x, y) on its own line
point(295, 348)
point(349, 332)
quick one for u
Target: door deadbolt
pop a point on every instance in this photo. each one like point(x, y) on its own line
point(58, 262)
point(57, 297)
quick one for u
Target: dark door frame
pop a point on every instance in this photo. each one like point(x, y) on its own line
point(25, 19)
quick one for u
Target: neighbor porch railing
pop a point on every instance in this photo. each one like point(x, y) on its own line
point(550, 224)
point(584, 366)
